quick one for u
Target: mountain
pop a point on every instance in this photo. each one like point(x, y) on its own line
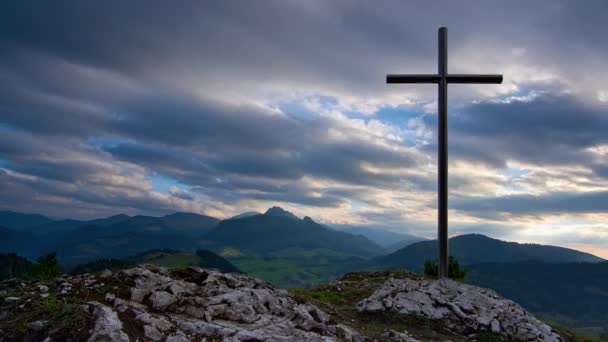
point(245, 214)
point(278, 211)
point(278, 229)
point(476, 248)
point(65, 226)
point(14, 241)
point(572, 294)
point(385, 238)
point(131, 236)
point(189, 223)
point(402, 244)
point(20, 221)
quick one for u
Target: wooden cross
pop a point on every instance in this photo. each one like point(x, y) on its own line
point(442, 78)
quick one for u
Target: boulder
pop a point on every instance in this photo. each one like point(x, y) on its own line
point(464, 308)
point(108, 326)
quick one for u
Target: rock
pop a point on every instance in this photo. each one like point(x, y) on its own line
point(161, 300)
point(138, 294)
point(11, 299)
point(107, 325)
point(199, 305)
point(43, 288)
point(105, 274)
point(44, 295)
point(465, 308)
point(395, 336)
point(37, 325)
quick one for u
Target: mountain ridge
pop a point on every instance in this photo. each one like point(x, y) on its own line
point(19, 221)
point(281, 230)
point(478, 248)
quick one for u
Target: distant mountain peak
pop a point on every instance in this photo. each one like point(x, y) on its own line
point(278, 211)
point(244, 215)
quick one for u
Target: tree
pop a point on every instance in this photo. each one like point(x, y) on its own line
point(14, 266)
point(48, 267)
point(454, 270)
point(430, 268)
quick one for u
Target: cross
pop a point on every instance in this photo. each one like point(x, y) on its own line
point(442, 78)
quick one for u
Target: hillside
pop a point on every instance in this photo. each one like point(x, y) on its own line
point(130, 236)
point(51, 229)
point(15, 241)
point(390, 240)
point(288, 251)
point(277, 230)
point(160, 257)
point(572, 294)
point(475, 248)
point(14, 266)
point(19, 221)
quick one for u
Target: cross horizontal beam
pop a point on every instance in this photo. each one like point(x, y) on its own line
point(453, 78)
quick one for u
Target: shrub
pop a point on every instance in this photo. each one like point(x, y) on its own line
point(48, 267)
point(454, 270)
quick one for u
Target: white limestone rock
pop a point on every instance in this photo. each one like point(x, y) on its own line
point(108, 326)
point(210, 305)
point(395, 336)
point(465, 308)
point(161, 300)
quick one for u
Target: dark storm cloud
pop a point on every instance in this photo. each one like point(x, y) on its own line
point(160, 79)
point(224, 167)
point(546, 130)
point(553, 203)
point(348, 44)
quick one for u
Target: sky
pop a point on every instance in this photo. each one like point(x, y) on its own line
point(222, 107)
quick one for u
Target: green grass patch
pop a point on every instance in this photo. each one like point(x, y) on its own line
point(230, 253)
point(60, 313)
point(572, 335)
point(297, 267)
point(169, 259)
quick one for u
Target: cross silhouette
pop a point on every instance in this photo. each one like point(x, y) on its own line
point(442, 78)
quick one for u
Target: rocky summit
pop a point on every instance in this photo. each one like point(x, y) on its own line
point(190, 304)
point(464, 308)
point(208, 304)
point(151, 303)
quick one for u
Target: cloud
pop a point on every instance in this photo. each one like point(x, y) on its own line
point(254, 104)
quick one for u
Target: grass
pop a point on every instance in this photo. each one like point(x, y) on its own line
point(64, 317)
point(173, 260)
point(572, 335)
point(61, 313)
point(294, 267)
point(61, 317)
point(230, 253)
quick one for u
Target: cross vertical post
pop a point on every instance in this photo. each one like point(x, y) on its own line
point(442, 78)
point(442, 163)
